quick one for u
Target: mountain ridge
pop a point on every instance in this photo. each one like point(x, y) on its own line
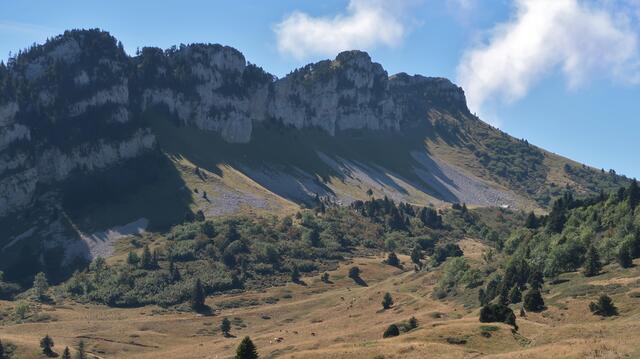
point(85, 126)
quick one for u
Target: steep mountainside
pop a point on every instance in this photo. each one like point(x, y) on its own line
point(95, 144)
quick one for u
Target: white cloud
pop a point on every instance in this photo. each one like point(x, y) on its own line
point(366, 24)
point(577, 39)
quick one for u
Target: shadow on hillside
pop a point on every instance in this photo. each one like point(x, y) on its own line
point(299, 164)
point(359, 281)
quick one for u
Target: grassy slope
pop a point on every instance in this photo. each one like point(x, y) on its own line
point(344, 320)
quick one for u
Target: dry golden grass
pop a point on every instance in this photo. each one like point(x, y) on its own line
point(343, 320)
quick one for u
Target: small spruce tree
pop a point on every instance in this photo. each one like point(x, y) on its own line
point(416, 255)
point(325, 277)
point(392, 259)
point(533, 300)
point(603, 307)
point(536, 279)
point(47, 344)
point(133, 259)
point(40, 286)
point(413, 323)
point(146, 259)
point(197, 296)
point(246, 350)
point(532, 221)
point(387, 301)
point(66, 354)
point(354, 273)
point(515, 296)
point(624, 256)
point(592, 263)
point(391, 331)
point(225, 327)
point(82, 352)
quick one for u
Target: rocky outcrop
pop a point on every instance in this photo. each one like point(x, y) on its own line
point(73, 115)
point(80, 97)
point(219, 92)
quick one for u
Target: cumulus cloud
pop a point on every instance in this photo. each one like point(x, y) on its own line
point(580, 40)
point(366, 24)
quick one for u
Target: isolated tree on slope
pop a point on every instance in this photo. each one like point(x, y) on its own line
point(225, 327)
point(387, 301)
point(46, 344)
point(82, 354)
point(603, 307)
point(246, 350)
point(66, 354)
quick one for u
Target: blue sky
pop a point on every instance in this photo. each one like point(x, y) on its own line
point(564, 74)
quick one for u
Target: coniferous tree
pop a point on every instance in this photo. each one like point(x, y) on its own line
point(536, 279)
point(66, 354)
point(3, 354)
point(392, 259)
point(504, 294)
point(391, 331)
point(146, 259)
point(533, 300)
point(40, 286)
point(413, 323)
point(47, 344)
point(82, 353)
point(197, 296)
point(532, 221)
point(634, 194)
point(246, 350)
point(515, 296)
point(295, 275)
point(482, 297)
point(387, 301)
point(395, 221)
point(354, 273)
point(592, 263)
point(416, 255)
point(325, 277)
point(200, 215)
point(624, 256)
point(133, 259)
point(313, 237)
point(603, 307)
point(225, 327)
point(500, 313)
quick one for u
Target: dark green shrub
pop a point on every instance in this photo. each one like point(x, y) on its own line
point(500, 313)
point(391, 331)
point(603, 307)
point(533, 301)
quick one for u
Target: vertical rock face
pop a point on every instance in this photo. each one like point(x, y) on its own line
point(206, 86)
point(73, 103)
point(350, 92)
point(212, 88)
point(64, 106)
